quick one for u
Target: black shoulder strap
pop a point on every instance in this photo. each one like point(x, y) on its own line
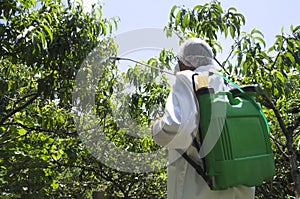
point(197, 167)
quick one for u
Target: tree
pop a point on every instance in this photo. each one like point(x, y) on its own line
point(276, 69)
point(43, 46)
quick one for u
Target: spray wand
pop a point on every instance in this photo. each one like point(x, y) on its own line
point(141, 63)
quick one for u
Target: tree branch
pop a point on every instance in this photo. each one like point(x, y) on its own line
point(18, 109)
point(23, 98)
point(232, 49)
point(221, 66)
point(15, 138)
point(28, 128)
point(277, 114)
point(292, 155)
point(37, 129)
point(279, 145)
point(276, 59)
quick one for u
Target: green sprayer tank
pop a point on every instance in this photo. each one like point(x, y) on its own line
point(242, 154)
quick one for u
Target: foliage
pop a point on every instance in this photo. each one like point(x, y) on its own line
point(205, 21)
point(41, 50)
point(44, 45)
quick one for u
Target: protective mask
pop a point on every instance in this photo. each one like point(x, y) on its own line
point(176, 69)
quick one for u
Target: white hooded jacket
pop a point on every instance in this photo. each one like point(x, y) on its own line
point(176, 130)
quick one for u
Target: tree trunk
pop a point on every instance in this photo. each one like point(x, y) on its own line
point(98, 195)
point(291, 150)
point(293, 162)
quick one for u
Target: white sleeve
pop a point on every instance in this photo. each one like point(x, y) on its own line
point(165, 129)
point(179, 122)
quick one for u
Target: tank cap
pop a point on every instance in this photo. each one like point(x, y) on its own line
point(204, 90)
point(248, 88)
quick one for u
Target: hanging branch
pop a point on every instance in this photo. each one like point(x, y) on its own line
point(18, 109)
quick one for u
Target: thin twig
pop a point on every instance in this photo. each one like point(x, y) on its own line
point(221, 66)
point(279, 145)
point(15, 138)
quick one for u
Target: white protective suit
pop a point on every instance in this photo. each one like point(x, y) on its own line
point(179, 125)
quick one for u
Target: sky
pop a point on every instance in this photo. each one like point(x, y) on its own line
point(269, 16)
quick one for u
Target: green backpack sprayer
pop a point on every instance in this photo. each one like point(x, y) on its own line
point(242, 154)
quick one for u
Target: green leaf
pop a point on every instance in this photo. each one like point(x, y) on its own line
point(272, 48)
point(103, 26)
point(197, 8)
point(296, 29)
point(232, 9)
point(261, 40)
point(110, 27)
point(279, 76)
point(22, 131)
point(172, 12)
point(115, 20)
point(186, 20)
point(290, 56)
point(291, 28)
point(54, 184)
point(49, 17)
point(178, 17)
point(43, 38)
point(232, 31)
point(282, 30)
point(48, 31)
point(225, 30)
point(242, 18)
point(255, 31)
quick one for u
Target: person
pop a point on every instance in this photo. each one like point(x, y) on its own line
point(179, 125)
